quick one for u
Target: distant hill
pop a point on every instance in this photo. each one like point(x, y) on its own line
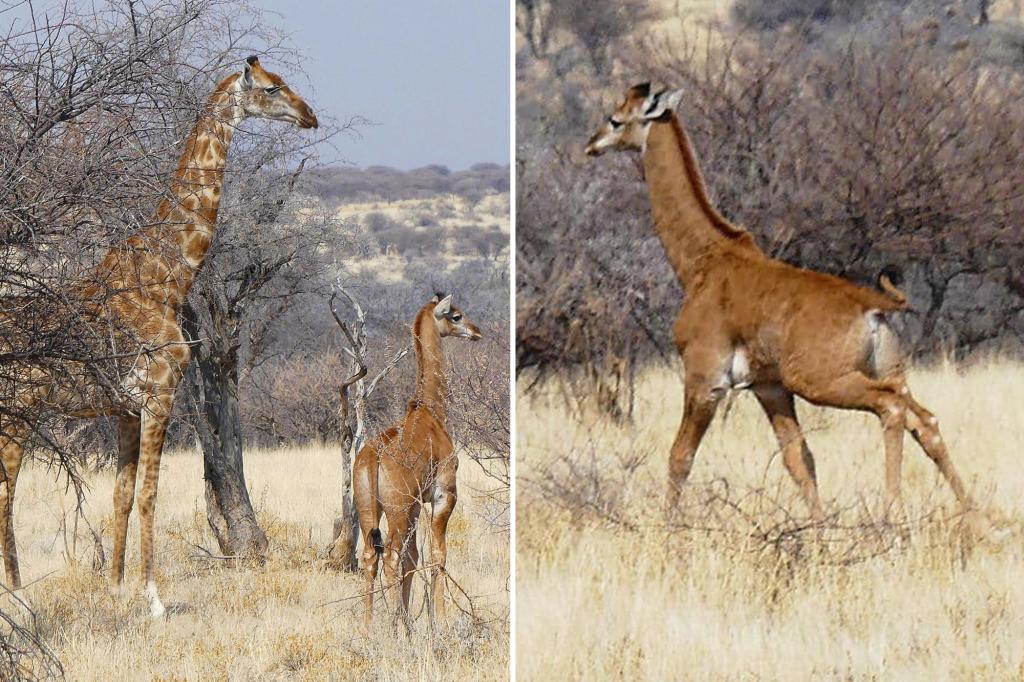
point(381, 183)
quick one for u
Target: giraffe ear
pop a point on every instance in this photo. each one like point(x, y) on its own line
point(444, 307)
point(641, 90)
point(247, 77)
point(658, 104)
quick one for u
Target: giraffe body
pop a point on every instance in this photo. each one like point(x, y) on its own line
point(752, 321)
point(129, 304)
point(411, 464)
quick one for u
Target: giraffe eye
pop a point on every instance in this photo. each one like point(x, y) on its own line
point(272, 89)
point(456, 317)
point(614, 123)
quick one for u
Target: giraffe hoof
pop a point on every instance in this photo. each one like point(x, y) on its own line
point(156, 607)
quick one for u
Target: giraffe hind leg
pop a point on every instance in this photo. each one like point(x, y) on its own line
point(884, 397)
point(924, 427)
point(153, 429)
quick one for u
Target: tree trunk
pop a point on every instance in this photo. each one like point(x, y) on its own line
point(346, 526)
point(228, 507)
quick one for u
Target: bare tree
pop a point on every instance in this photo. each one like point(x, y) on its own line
point(354, 393)
point(96, 100)
point(267, 259)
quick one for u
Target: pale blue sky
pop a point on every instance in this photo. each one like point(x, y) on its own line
point(433, 74)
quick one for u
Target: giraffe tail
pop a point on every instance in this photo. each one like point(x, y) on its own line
point(378, 541)
point(889, 281)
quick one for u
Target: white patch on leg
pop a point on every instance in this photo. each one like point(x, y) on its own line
point(739, 369)
point(936, 440)
point(156, 608)
point(439, 496)
point(905, 391)
point(934, 421)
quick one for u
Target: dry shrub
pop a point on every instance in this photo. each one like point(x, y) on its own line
point(24, 655)
point(480, 420)
point(841, 156)
point(597, 488)
point(301, 401)
point(740, 572)
point(762, 15)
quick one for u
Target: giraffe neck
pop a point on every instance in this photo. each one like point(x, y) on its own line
point(431, 383)
point(687, 223)
point(164, 259)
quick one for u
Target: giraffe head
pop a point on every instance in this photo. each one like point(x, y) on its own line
point(627, 127)
point(266, 95)
point(450, 321)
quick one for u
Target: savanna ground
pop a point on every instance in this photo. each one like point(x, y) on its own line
point(249, 622)
point(742, 586)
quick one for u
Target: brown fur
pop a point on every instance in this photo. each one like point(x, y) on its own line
point(138, 290)
point(410, 464)
point(753, 321)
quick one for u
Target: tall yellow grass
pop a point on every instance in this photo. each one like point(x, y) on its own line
point(264, 622)
point(609, 591)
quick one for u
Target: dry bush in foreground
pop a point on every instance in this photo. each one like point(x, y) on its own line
point(741, 575)
point(23, 653)
point(278, 620)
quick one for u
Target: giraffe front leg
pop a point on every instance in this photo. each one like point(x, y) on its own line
point(128, 433)
point(392, 564)
point(444, 503)
point(445, 495)
point(11, 452)
point(410, 557)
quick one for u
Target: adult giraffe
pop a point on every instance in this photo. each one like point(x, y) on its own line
point(751, 321)
point(411, 463)
point(135, 296)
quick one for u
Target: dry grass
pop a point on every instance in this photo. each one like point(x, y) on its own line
point(739, 588)
point(251, 622)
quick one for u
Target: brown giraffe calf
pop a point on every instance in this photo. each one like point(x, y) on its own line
point(133, 299)
point(751, 321)
point(410, 464)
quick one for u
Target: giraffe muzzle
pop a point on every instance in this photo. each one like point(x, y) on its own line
point(593, 147)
